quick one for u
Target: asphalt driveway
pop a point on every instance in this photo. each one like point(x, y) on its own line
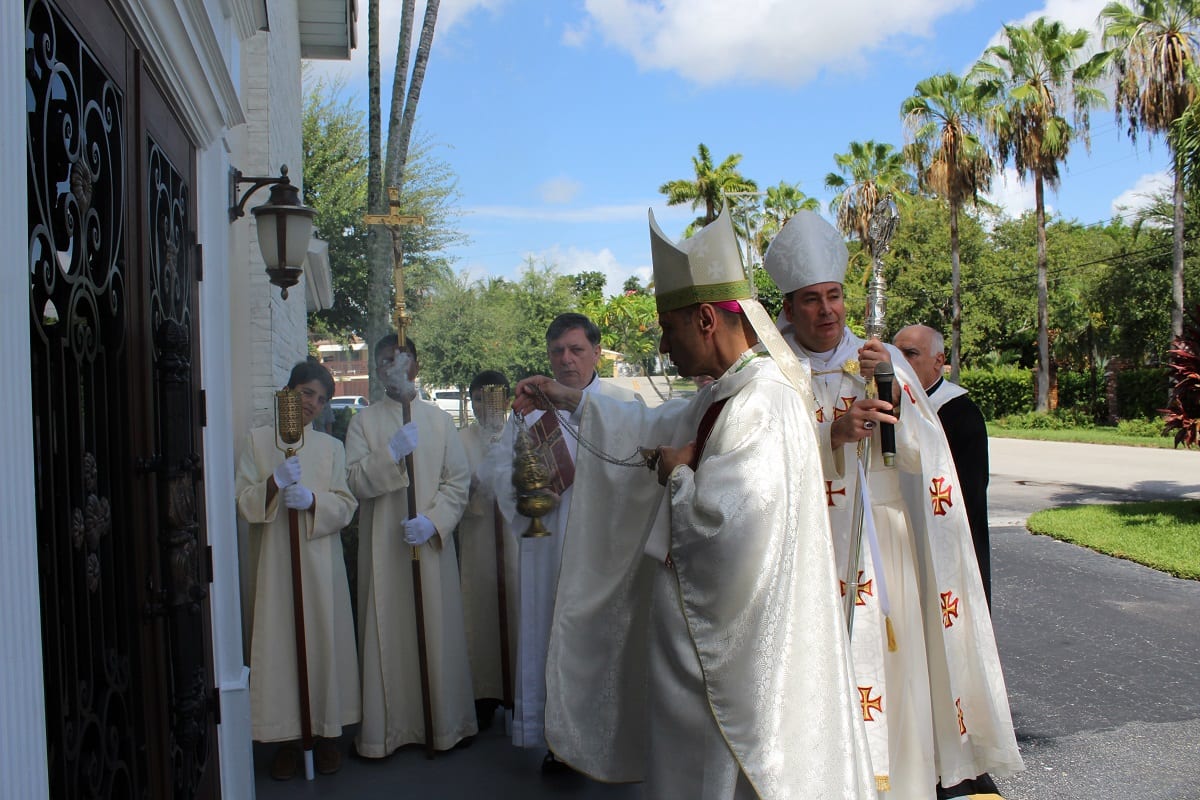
point(1102, 656)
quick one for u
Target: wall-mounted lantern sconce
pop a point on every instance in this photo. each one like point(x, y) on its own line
point(284, 225)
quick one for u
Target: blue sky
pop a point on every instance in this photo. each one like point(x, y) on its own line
point(562, 118)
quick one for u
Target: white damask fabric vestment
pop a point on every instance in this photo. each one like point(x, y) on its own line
point(936, 706)
point(722, 672)
point(387, 633)
point(538, 574)
point(328, 625)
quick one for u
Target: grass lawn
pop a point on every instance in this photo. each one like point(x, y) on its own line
point(1164, 535)
point(1087, 435)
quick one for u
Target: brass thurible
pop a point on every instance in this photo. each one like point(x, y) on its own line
point(531, 480)
point(289, 421)
point(493, 409)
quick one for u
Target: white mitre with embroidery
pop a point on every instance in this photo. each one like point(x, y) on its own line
point(707, 268)
point(807, 251)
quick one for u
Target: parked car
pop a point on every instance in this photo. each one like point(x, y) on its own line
point(354, 402)
point(449, 400)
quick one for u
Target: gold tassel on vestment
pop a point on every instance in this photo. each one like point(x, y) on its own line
point(883, 783)
point(891, 634)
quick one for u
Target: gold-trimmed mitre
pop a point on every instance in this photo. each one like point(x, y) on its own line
point(706, 268)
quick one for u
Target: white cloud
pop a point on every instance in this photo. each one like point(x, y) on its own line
point(474, 271)
point(1012, 195)
point(560, 190)
point(1073, 14)
point(772, 41)
point(1142, 194)
point(573, 260)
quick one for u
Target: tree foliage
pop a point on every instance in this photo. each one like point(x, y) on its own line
point(708, 187)
point(780, 203)
point(1154, 49)
point(629, 325)
point(1028, 82)
point(335, 180)
point(335, 186)
point(943, 119)
point(867, 172)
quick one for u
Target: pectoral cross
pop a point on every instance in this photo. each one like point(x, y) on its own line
point(394, 220)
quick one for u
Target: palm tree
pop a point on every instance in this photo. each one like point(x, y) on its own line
point(780, 204)
point(943, 118)
point(1027, 81)
point(1154, 45)
point(405, 95)
point(874, 169)
point(709, 187)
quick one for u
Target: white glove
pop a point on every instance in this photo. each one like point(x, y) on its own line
point(403, 442)
point(298, 496)
point(418, 530)
point(287, 473)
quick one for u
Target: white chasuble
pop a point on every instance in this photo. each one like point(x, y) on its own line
point(726, 667)
point(935, 707)
point(328, 624)
point(391, 684)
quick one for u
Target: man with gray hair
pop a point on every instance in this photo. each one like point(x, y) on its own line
point(966, 432)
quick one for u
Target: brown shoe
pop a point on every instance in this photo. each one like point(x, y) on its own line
point(286, 762)
point(326, 757)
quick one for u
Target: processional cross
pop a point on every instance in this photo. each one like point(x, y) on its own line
point(394, 220)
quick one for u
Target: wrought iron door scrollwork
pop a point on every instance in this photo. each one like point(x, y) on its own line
point(76, 203)
point(179, 536)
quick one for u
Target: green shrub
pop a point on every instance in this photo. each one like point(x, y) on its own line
point(1060, 419)
point(1141, 392)
point(1141, 427)
point(999, 391)
point(1075, 390)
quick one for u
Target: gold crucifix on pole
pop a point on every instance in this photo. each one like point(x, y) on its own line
point(394, 220)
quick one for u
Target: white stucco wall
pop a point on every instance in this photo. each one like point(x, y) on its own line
point(273, 330)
